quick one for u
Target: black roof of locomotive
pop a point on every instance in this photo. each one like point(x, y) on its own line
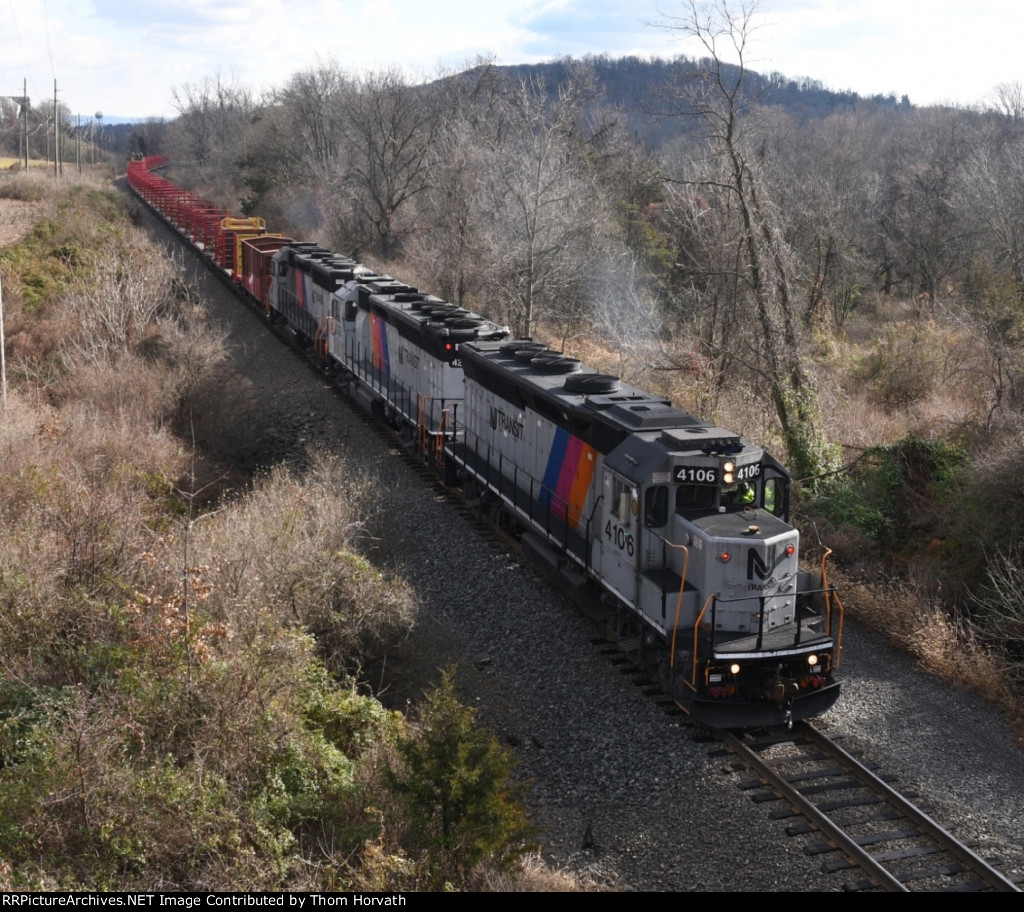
point(329, 270)
point(394, 301)
point(603, 420)
point(427, 321)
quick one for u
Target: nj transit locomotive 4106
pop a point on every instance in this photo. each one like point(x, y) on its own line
point(675, 530)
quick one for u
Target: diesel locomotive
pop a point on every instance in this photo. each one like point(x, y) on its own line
point(674, 530)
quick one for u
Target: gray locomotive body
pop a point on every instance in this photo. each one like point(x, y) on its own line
point(680, 525)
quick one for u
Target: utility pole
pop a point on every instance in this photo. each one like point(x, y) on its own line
point(56, 130)
point(3, 361)
point(24, 118)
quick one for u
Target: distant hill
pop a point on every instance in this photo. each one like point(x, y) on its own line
point(643, 90)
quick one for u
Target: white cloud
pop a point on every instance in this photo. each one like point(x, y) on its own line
point(126, 57)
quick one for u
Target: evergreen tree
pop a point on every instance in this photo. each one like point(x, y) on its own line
point(454, 781)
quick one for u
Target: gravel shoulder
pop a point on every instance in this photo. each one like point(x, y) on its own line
point(625, 793)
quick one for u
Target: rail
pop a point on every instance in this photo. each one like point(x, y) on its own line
point(833, 790)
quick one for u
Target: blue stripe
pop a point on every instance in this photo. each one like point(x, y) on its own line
point(554, 467)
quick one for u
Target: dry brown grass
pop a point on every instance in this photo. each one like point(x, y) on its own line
point(536, 876)
point(79, 494)
point(914, 622)
point(26, 198)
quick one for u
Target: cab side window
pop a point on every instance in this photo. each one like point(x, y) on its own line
point(624, 500)
point(774, 501)
point(656, 506)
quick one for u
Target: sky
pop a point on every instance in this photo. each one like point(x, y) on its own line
point(124, 58)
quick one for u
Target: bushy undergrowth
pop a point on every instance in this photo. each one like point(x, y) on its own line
point(904, 364)
point(986, 512)
point(176, 697)
point(295, 543)
point(894, 497)
point(933, 507)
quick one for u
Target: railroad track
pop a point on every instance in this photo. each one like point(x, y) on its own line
point(866, 824)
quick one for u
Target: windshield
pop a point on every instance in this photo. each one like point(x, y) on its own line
point(731, 498)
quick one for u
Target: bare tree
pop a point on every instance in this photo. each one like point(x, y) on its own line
point(1009, 100)
point(388, 128)
point(722, 102)
point(295, 154)
point(709, 298)
point(923, 170)
point(213, 125)
point(452, 256)
point(823, 178)
point(542, 203)
point(992, 197)
point(312, 102)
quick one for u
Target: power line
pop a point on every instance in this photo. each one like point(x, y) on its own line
point(21, 44)
point(46, 31)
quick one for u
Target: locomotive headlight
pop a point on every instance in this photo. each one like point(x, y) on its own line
point(812, 660)
point(728, 472)
point(734, 669)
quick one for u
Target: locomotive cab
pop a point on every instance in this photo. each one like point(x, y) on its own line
point(696, 541)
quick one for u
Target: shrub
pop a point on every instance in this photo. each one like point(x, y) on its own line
point(1001, 597)
point(29, 188)
point(985, 511)
point(904, 365)
point(292, 548)
point(454, 781)
point(895, 495)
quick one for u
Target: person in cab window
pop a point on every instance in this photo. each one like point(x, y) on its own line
point(739, 495)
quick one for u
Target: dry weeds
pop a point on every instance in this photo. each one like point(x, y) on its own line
point(25, 199)
point(536, 876)
point(919, 626)
point(292, 547)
